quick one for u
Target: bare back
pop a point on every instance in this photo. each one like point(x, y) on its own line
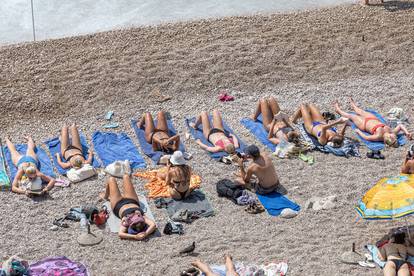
point(265, 171)
point(395, 251)
point(180, 177)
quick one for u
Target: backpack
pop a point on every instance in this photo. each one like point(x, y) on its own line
point(227, 188)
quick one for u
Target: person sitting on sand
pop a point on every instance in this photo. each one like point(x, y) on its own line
point(28, 180)
point(395, 254)
point(220, 138)
point(368, 122)
point(316, 125)
point(177, 176)
point(158, 136)
point(135, 225)
point(72, 150)
point(408, 164)
point(277, 124)
point(262, 168)
point(204, 268)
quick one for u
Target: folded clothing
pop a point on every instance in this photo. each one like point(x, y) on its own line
point(111, 147)
point(258, 130)
point(54, 146)
point(45, 166)
point(158, 188)
point(198, 134)
point(275, 202)
point(147, 147)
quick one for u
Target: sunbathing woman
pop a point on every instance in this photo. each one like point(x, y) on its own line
point(277, 124)
point(158, 135)
point(317, 127)
point(395, 255)
point(408, 165)
point(366, 121)
point(221, 139)
point(177, 176)
point(72, 151)
point(28, 179)
point(135, 224)
point(204, 268)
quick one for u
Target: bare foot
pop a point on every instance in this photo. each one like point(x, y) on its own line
point(102, 197)
point(253, 117)
point(337, 108)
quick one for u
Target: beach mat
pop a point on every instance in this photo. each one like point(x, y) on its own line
point(274, 203)
point(58, 266)
point(4, 178)
point(111, 147)
point(54, 147)
point(258, 130)
point(45, 166)
point(114, 223)
point(377, 145)
point(147, 147)
point(198, 134)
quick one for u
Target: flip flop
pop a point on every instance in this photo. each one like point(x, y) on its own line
point(60, 223)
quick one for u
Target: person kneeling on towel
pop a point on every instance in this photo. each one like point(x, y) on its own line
point(261, 167)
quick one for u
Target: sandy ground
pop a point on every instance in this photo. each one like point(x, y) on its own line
point(318, 56)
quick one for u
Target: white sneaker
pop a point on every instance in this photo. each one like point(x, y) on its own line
point(116, 169)
point(127, 167)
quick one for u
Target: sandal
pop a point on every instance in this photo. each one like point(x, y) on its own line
point(190, 272)
point(60, 223)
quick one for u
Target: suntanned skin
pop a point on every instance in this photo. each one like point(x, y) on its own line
point(65, 143)
point(160, 140)
point(114, 195)
point(381, 133)
point(408, 165)
point(261, 167)
point(203, 267)
point(177, 182)
point(390, 268)
point(269, 108)
point(20, 172)
point(203, 120)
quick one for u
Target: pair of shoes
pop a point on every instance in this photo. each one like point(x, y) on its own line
point(375, 154)
point(190, 272)
point(119, 168)
point(254, 208)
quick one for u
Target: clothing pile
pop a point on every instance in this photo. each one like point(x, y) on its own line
point(396, 116)
point(236, 193)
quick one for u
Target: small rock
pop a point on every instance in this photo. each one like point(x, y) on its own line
point(318, 203)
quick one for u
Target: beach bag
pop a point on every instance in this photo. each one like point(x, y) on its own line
point(227, 188)
point(77, 175)
point(15, 266)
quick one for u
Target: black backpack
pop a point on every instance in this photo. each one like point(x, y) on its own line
point(227, 188)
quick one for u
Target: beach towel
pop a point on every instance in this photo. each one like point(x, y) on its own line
point(58, 266)
point(196, 205)
point(349, 147)
point(275, 202)
point(54, 147)
point(379, 145)
point(114, 223)
point(111, 147)
point(198, 134)
point(258, 130)
point(4, 178)
point(157, 187)
point(45, 166)
point(271, 269)
point(147, 147)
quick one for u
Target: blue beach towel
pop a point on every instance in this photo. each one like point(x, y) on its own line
point(45, 166)
point(54, 147)
point(378, 145)
point(198, 134)
point(258, 130)
point(147, 147)
point(275, 202)
point(349, 147)
point(4, 178)
point(111, 147)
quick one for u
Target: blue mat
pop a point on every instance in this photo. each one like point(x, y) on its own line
point(258, 130)
point(378, 145)
point(45, 166)
point(147, 147)
point(111, 147)
point(275, 202)
point(198, 134)
point(54, 147)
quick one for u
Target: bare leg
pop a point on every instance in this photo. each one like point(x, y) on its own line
point(307, 118)
point(316, 113)
point(404, 271)
point(359, 110)
point(162, 121)
point(31, 148)
point(15, 155)
point(64, 139)
point(274, 105)
point(75, 137)
point(230, 269)
point(149, 126)
point(264, 109)
point(205, 122)
point(356, 119)
point(112, 192)
point(203, 268)
point(389, 269)
point(129, 190)
point(296, 115)
point(217, 120)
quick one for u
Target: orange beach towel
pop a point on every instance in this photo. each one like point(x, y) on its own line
point(158, 187)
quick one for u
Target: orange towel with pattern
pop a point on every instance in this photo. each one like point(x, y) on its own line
point(158, 188)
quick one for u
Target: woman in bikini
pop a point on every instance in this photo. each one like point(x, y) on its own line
point(205, 268)
point(158, 136)
point(28, 174)
point(316, 125)
point(277, 124)
point(366, 121)
point(220, 138)
point(177, 176)
point(72, 151)
point(135, 225)
point(395, 255)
